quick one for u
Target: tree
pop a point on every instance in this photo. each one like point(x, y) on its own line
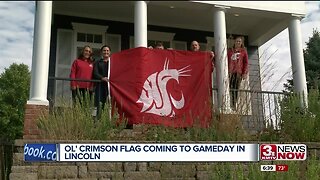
point(312, 63)
point(312, 60)
point(14, 91)
point(288, 86)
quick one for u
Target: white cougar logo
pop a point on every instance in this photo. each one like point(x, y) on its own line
point(154, 95)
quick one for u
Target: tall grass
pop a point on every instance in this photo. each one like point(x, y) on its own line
point(78, 122)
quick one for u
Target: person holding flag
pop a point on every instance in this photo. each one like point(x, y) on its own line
point(101, 72)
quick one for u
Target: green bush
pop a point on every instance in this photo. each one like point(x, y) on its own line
point(301, 124)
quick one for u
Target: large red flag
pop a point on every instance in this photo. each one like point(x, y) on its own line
point(168, 87)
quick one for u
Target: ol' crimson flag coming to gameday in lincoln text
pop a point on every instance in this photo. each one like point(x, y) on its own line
point(167, 87)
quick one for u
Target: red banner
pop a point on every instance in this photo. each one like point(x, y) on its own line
point(168, 87)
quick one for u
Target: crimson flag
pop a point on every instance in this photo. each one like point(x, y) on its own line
point(168, 87)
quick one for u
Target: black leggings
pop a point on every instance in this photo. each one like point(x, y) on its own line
point(101, 95)
point(235, 80)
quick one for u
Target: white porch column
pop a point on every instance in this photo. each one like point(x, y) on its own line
point(221, 61)
point(140, 24)
point(40, 54)
point(297, 60)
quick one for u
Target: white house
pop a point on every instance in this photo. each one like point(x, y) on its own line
point(62, 28)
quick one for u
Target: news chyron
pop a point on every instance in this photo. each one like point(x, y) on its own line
point(40, 152)
point(272, 152)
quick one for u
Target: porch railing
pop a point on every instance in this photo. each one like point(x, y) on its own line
point(258, 109)
point(60, 89)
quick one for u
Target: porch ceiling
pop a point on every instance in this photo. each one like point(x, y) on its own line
point(259, 25)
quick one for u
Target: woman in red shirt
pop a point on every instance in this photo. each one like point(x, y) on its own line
point(82, 68)
point(237, 66)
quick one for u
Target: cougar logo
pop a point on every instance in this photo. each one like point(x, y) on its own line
point(155, 97)
point(235, 56)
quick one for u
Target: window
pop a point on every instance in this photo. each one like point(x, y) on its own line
point(97, 38)
point(92, 38)
point(81, 37)
point(89, 34)
point(89, 38)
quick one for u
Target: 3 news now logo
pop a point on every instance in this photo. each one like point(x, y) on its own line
point(283, 152)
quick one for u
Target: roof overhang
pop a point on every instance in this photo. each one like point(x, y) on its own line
point(260, 21)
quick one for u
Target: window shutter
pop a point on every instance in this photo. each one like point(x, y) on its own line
point(64, 60)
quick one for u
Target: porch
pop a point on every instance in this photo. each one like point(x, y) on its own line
point(62, 28)
point(215, 21)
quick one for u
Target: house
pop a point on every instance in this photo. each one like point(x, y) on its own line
point(62, 28)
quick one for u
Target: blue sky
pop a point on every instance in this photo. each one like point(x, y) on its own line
point(16, 32)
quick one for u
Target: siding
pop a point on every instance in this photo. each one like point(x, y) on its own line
point(255, 121)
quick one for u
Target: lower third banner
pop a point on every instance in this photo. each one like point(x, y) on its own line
point(158, 152)
point(167, 87)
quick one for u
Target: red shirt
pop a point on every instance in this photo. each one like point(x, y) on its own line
point(238, 61)
point(81, 69)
